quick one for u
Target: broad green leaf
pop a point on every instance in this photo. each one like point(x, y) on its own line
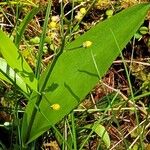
point(24, 23)
point(14, 59)
point(75, 74)
point(100, 131)
point(9, 75)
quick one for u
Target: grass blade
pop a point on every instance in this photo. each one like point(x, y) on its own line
point(40, 51)
point(24, 23)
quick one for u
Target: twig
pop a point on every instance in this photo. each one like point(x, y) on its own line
point(131, 132)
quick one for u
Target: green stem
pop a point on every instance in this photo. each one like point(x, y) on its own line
point(39, 97)
point(74, 131)
point(40, 51)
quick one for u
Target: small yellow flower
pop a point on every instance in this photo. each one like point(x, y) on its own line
point(83, 11)
point(87, 44)
point(79, 16)
point(109, 12)
point(55, 106)
point(52, 24)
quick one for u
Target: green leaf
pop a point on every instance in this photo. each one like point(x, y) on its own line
point(14, 59)
point(24, 23)
point(75, 74)
point(100, 131)
point(9, 75)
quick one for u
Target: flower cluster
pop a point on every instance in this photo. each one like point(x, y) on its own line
point(80, 14)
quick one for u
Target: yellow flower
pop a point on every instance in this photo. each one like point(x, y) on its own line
point(52, 24)
point(83, 11)
point(79, 16)
point(55, 106)
point(87, 44)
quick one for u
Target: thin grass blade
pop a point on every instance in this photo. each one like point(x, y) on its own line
point(21, 28)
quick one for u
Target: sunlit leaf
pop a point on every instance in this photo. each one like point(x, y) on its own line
point(15, 60)
point(75, 74)
point(9, 75)
point(100, 131)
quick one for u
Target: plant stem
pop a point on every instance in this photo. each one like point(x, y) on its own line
point(40, 51)
point(39, 97)
point(74, 131)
